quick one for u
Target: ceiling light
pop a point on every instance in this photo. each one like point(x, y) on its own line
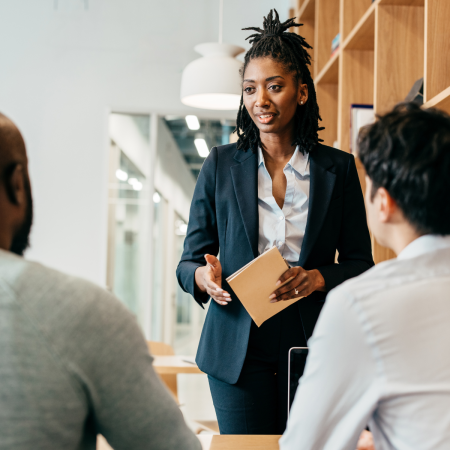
point(213, 81)
point(133, 181)
point(156, 198)
point(137, 186)
point(121, 175)
point(180, 228)
point(192, 122)
point(202, 148)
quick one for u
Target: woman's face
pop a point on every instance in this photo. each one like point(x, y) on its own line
point(271, 95)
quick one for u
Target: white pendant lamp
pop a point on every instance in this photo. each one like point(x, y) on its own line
point(213, 81)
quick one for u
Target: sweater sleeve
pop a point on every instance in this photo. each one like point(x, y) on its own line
point(129, 404)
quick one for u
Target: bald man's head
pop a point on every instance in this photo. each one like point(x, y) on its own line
point(16, 208)
point(12, 145)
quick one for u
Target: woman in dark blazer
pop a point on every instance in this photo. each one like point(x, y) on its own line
point(277, 186)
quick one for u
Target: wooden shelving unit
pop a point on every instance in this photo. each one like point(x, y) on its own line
point(385, 46)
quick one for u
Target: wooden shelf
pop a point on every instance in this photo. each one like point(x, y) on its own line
point(440, 101)
point(385, 47)
point(362, 37)
point(325, 30)
point(330, 73)
point(307, 10)
point(437, 44)
point(401, 2)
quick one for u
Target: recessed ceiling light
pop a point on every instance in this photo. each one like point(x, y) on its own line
point(202, 147)
point(121, 175)
point(192, 122)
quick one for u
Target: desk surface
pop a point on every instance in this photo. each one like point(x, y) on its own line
point(166, 365)
point(241, 442)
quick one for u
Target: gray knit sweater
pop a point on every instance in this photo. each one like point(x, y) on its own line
point(73, 363)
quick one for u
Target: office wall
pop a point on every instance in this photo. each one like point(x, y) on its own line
point(173, 178)
point(63, 68)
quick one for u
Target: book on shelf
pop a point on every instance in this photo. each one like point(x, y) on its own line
point(360, 116)
point(254, 283)
point(415, 95)
point(335, 44)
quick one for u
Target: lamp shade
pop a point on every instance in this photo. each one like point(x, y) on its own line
point(213, 81)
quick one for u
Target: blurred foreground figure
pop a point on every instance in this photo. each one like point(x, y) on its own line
point(380, 354)
point(73, 362)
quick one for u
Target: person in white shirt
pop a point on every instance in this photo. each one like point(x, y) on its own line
point(379, 355)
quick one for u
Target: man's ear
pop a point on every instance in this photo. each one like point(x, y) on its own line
point(14, 184)
point(387, 206)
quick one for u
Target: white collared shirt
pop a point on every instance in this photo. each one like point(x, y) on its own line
point(284, 228)
point(380, 355)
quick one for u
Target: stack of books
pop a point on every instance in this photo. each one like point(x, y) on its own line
point(360, 116)
point(335, 44)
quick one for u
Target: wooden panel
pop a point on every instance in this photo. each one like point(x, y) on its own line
point(327, 27)
point(307, 10)
point(362, 37)
point(361, 174)
point(351, 13)
point(327, 96)
point(307, 31)
point(403, 2)
point(399, 53)
point(162, 349)
point(437, 47)
point(356, 73)
point(441, 101)
point(240, 442)
point(330, 73)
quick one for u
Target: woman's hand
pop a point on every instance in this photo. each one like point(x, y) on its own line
point(209, 279)
point(303, 283)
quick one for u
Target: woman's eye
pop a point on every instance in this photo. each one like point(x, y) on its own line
point(275, 87)
point(248, 90)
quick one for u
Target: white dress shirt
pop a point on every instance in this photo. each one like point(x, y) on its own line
point(285, 227)
point(380, 355)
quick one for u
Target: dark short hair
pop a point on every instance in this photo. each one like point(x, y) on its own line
point(407, 152)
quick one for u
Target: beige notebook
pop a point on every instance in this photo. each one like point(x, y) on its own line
point(256, 281)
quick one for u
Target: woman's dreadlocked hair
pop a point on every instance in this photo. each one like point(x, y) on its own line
point(290, 50)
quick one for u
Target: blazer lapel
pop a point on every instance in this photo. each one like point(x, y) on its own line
point(245, 182)
point(321, 189)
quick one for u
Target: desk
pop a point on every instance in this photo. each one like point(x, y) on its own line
point(174, 364)
point(240, 442)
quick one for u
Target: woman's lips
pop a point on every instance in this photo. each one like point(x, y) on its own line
point(266, 118)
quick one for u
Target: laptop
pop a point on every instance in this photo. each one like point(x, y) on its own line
point(297, 361)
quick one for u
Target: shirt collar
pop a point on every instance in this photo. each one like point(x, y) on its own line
point(424, 244)
point(298, 161)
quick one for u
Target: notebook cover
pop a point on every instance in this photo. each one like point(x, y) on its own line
point(254, 283)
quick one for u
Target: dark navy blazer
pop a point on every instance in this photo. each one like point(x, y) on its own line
point(224, 216)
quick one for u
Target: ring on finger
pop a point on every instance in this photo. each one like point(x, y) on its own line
point(296, 292)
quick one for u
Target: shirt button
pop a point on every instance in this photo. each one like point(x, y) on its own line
point(280, 243)
point(280, 218)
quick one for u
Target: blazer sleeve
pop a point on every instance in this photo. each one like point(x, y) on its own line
point(202, 235)
point(354, 245)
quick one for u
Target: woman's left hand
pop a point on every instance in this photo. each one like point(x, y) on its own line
point(303, 283)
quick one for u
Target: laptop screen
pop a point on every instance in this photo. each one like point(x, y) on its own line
point(297, 361)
